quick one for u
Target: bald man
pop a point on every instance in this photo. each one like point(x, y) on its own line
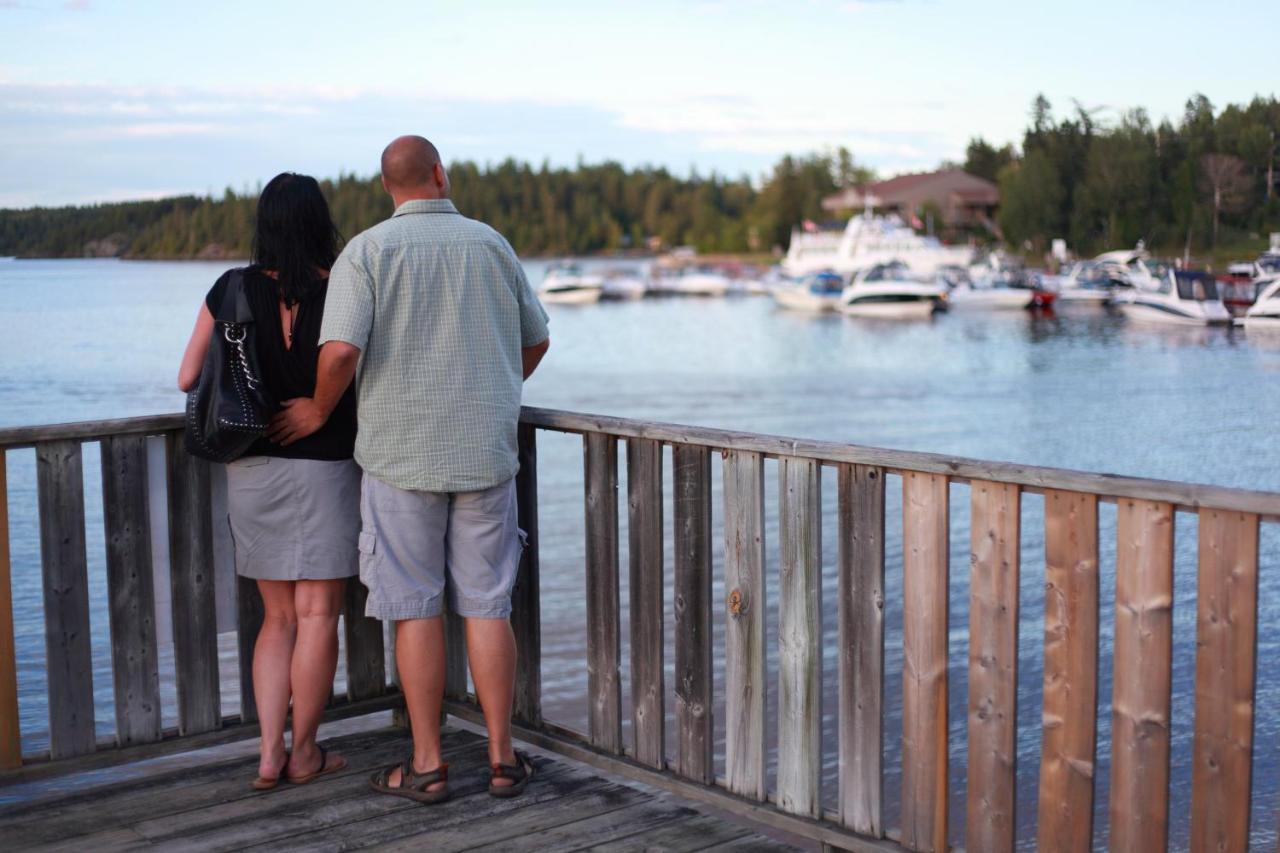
point(433, 312)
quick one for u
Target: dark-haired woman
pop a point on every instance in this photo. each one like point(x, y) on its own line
point(295, 510)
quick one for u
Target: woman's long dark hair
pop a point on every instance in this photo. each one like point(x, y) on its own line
point(294, 234)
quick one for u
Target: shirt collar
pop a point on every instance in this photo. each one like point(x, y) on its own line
point(426, 205)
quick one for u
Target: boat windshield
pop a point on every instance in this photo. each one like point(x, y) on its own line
point(1198, 286)
point(826, 283)
point(1269, 263)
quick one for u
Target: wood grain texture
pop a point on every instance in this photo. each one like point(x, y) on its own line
point(995, 530)
point(644, 540)
point(366, 658)
point(10, 730)
point(1139, 805)
point(60, 483)
point(1070, 712)
point(860, 724)
point(924, 653)
point(800, 637)
point(250, 613)
point(744, 677)
point(694, 670)
point(526, 613)
point(455, 655)
point(604, 644)
point(195, 639)
point(1226, 646)
point(130, 589)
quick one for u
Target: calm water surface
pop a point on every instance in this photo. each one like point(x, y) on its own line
point(101, 339)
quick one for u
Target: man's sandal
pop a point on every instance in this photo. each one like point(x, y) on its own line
point(266, 783)
point(326, 767)
point(412, 784)
point(519, 774)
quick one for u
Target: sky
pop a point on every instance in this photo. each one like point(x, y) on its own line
point(105, 100)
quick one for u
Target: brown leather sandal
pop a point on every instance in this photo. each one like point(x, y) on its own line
point(326, 767)
point(264, 783)
point(519, 773)
point(412, 784)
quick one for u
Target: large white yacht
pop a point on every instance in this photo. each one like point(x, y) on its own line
point(892, 291)
point(868, 240)
point(569, 285)
point(1182, 297)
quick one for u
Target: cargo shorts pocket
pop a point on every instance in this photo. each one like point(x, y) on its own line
point(368, 547)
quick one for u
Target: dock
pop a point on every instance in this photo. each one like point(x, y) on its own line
point(709, 759)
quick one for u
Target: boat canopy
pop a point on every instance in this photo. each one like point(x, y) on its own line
point(1196, 285)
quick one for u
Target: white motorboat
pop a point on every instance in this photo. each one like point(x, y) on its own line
point(1086, 283)
point(892, 291)
point(693, 282)
point(1265, 311)
point(624, 285)
point(868, 240)
point(567, 284)
point(815, 293)
point(1181, 297)
point(996, 284)
point(1132, 267)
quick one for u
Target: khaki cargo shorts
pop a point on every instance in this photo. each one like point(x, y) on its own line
point(418, 547)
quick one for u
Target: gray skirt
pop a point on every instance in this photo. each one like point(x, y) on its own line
point(294, 519)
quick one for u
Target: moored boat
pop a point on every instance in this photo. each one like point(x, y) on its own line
point(1179, 297)
point(814, 293)
point(567, 284)
point(867, 240)
point(891, 291)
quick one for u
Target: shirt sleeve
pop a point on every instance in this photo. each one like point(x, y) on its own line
point(213, 299)
point(533, 317)
point(349, 302)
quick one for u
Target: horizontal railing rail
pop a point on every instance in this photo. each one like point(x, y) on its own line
point(791, 796)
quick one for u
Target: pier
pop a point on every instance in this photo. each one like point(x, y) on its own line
point(685, 800)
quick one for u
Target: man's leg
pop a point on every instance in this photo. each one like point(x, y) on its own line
point(420, 663)
point(491, 649)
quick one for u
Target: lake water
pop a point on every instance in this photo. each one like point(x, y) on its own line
point(101, 339)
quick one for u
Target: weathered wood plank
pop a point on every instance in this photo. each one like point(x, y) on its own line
point(1226, 647)
point(694, 669)
point(644, 541)
point(366, 665)
point(1139, 805)
point(250, 613)
point(924, 655)
point(861, 638)
point(800, 637)
point(1070, 671)
point(995, 530)
point(1189, 495)
point(526, 618)
point(195, 639)
point(10, 731)
point(455, 655)
point(60, 483)
point(130, 589)
point(604, 685)
point(744, 677)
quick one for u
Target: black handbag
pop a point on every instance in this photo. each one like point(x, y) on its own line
point(230, 407)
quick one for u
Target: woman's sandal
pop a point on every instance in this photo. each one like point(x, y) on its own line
point(262, 783)
point(326, 767)
point(519, 773)
point(412, 784)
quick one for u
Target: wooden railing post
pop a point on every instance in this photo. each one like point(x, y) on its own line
point(250, 613)
point(1139, 806)
point(800, 636)
point(1226, 647)
point(526, 618)
point(366, 664)
point(993, 666)
point(134, 658)
point(195, 637)
point(644, 505)
point(1070, 717)
point(60, 476)
point(924, 656)
point(604, 656)
point(694, 670)
point(861, 660)
point(10, 729)
point(744, 676)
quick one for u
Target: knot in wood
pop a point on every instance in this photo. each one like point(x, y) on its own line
point(737, 603)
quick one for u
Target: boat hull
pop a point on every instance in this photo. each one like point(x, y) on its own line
point(906, 310)
point(1141, 312)
point(796, 299)
point(998, 299)
point(572, 296)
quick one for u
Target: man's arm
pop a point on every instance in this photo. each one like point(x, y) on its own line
point(531, 356)
point(302, 416)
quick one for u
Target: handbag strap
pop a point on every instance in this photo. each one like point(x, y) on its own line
point(235, 303)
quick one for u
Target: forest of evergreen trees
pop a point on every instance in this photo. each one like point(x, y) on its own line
point(1204, 181)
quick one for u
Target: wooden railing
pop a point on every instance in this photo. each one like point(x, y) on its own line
point(1225, 640)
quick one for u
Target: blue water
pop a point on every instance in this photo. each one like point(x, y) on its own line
point(101, 339)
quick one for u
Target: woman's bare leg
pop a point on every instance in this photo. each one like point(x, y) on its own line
point(315, 657)
point(272, 654)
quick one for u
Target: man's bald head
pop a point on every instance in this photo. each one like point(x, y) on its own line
point(411, 168)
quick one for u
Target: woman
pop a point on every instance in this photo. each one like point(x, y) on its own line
point(295, 510)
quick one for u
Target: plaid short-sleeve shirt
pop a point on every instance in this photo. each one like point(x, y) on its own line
point(440, 308)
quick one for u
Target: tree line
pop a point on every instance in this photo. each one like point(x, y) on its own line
point(1207, 179)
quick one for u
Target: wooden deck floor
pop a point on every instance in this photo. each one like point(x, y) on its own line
point(211, 807)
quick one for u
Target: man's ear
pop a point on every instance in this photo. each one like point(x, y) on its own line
point(442, 179)
point(384, 184)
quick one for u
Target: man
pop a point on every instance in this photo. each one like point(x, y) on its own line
point(434, 312)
